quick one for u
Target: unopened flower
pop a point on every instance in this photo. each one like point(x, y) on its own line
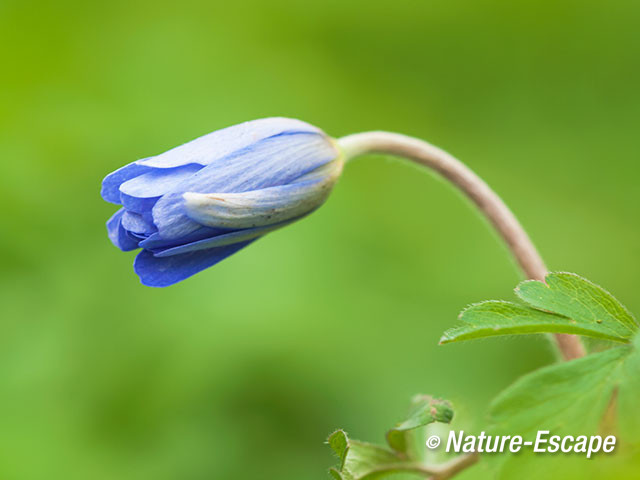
point(194, 205)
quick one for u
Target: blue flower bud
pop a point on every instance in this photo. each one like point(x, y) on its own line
point(196, 204)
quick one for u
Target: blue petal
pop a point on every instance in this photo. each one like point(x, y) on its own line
point(204, 150)
point(111, 183)
point(118, 235)
point(157, 242)
point(271, 162)
point(220, 240)
point(140, 193)
point(162, 272)
point(216, 145)
point(137, 224)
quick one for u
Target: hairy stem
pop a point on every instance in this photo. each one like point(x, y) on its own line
point(487, 201)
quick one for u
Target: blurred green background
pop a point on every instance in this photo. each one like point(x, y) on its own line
point(242, 371)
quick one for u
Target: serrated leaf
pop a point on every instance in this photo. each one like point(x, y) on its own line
point(568, 399)
point(366, 461)
point(424, 410)
point(567, 303)
point(575, 297)
point(495, 317)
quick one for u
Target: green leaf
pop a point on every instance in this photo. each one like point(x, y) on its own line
point(365, 461)
point(424, 410)
point(360, 460)
point(494, 318)
point(566, 303)
point(570, 393)
point(575, 297)
point(336, 474)
point(569, 399)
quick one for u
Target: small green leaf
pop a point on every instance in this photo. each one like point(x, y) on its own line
point(336, 474)
point(495, 317)
point(339, 443)
point(424, 410)
point(575, 297)
point(567, 303)
point(365, 461)
point(361, 460)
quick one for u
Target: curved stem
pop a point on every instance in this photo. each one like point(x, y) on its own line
point(455, 466)
point(443, 471)
point(487, 201)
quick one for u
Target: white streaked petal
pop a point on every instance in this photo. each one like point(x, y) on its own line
point(258, 207)
point(276, 161)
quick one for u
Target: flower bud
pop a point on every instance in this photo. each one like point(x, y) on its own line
point(198, 203)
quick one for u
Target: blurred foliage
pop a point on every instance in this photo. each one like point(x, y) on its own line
point(241, 371)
